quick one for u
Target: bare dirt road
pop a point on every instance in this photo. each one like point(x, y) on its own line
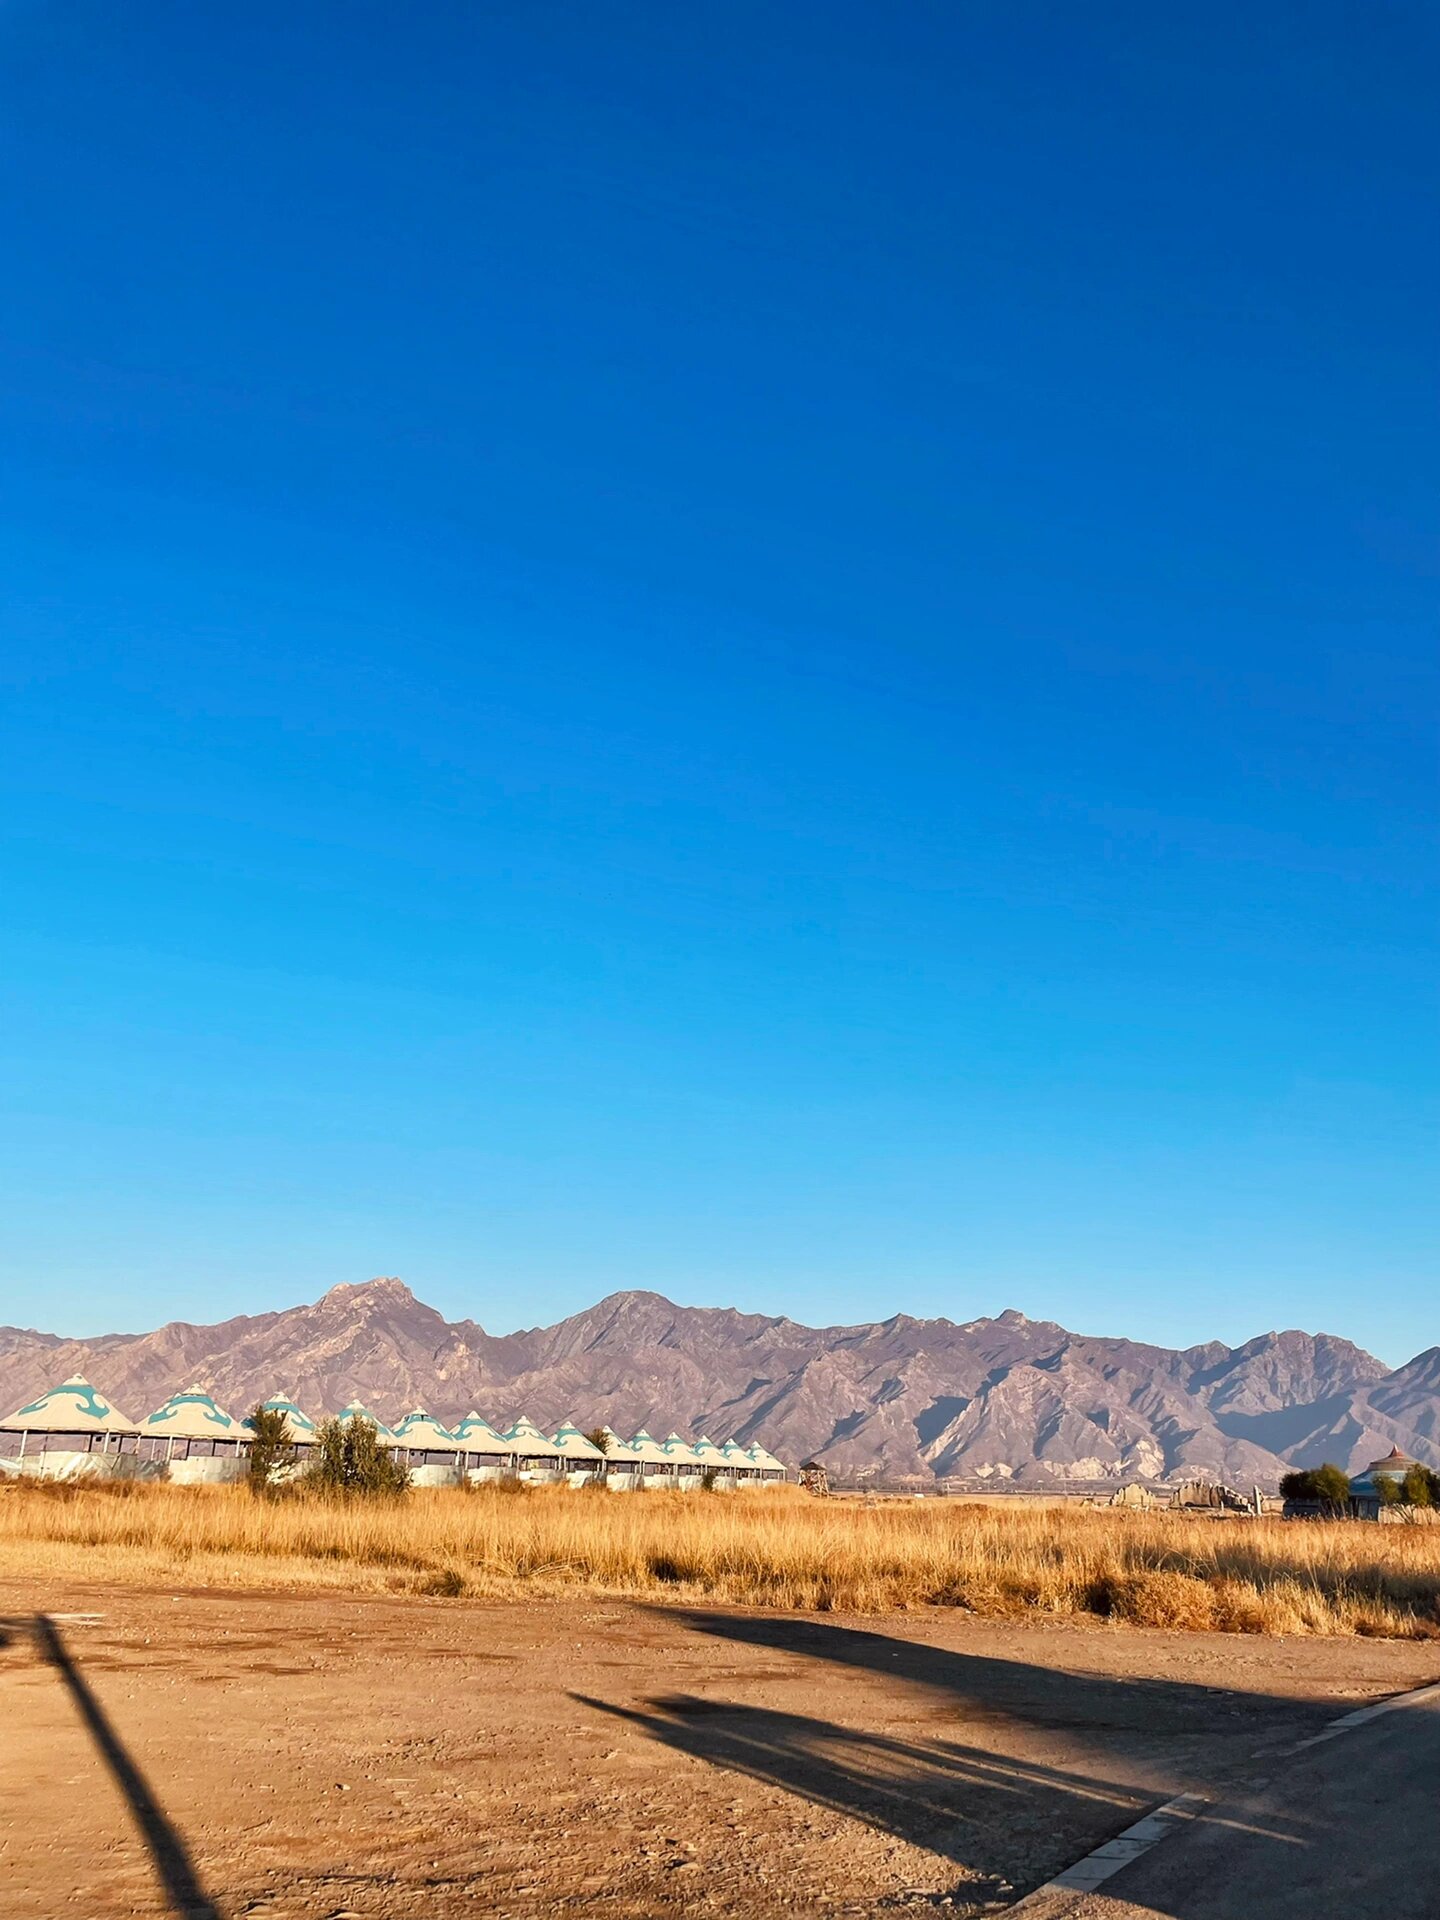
point(313, 1756)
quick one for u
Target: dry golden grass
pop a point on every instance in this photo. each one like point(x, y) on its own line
point(773, 1549)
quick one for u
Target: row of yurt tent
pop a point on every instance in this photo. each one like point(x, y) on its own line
point(74, 1429)
point(193, 1439)
point(71, 1430)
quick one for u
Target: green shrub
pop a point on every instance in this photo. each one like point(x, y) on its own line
point(272, 1451)
point(348, 1458)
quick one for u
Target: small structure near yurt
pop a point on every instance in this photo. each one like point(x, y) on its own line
point(814, 1479)
point(430, 1452)
point(194, 1441)
point(1378, 1492)
point(584, 1463)
point(71, 1430)
point(484, 1455)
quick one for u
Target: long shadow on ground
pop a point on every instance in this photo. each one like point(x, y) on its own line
point(172, 1862)
point(1002, 1818)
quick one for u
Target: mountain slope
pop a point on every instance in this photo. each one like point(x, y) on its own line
point(990, 1400)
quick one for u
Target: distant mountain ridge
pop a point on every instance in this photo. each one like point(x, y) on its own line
point(991, 1400)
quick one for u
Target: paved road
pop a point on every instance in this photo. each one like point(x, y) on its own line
point(1349, 1828)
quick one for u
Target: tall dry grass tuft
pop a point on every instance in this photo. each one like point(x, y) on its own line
point(774, 1549)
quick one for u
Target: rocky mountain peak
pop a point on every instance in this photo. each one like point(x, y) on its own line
point(1007, 1399)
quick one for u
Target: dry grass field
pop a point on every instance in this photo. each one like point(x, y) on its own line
point(772, 1549)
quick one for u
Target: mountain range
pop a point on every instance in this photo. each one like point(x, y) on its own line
point(990, 1401)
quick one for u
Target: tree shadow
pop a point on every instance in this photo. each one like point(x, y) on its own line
point(1004, 1819)
point(172, 1862)
point(981, 1811)
point(987, 1688)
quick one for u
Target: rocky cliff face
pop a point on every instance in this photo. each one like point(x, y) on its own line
point(993, 1401)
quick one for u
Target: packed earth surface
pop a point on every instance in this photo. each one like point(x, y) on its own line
point(312, 1756)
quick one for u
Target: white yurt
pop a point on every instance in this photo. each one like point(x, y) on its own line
point(770, 1469)
point(537, 1458)
point(355, 1411)
point(302, 1427)
point(70, 1430)
point(430, 1451)
point(622, 1468)
point(584, 1462)
point(484, 1454)
point(657, 1469)
point(193, 1441)
point(687, 1468)
point(737, 1462)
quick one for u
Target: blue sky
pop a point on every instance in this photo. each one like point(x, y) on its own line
point(781, 653)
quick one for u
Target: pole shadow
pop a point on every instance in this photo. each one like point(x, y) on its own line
point(173, 1864)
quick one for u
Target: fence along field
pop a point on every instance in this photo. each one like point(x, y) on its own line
point(773, 1549)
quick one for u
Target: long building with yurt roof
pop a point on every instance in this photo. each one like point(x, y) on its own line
point(356, 1410)
point(769, 1467)
point(583, 1460)
point(194, 1439)
point(657, 1468)
point(484, 1454)
point(684, 1465)
point(299, 1423)
point(622, 1464)
point(69, 1430)
point(429, 1450)
point(536, 1456)
point(74, 1428)
point(737, 1463)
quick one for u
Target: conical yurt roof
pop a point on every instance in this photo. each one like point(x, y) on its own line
point(302, 1427)
point(72, 1407)
point(356, 1411)
point(523, 1436)
point(706, 1450)
point(477, 1435)
point(621, 1452)
point(573, 1443)
point(645, 1447)
point(763, 1457)
point(735, 1455)
point(422, 1430)
point(674, 1448)
point(192, 1415)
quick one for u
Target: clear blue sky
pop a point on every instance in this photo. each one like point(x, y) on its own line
point(781, 652)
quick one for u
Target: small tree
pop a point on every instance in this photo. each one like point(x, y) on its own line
point(1388, 1492)
point(272, 1451)
point(349, 1459)
point(599, 1438)
point(1332, 1486)
point(1417, 1489)
point(1327, 1485)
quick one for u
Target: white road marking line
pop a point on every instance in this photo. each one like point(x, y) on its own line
point(1363, 1714)
point(1098, 1866)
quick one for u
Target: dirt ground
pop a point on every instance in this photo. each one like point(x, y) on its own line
point(315, 1756)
